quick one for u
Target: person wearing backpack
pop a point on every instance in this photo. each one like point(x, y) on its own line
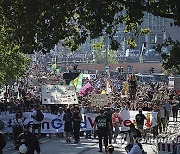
point(38, 117)
point(2, 142)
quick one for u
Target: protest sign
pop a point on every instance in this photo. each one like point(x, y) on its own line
point(58, 94)
point(100, 99)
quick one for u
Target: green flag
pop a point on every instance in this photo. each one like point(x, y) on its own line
point(79, 83)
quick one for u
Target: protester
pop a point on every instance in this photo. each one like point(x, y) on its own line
point(38, 117)
point(77, 117)
point(132, 86)
point(17, 127)
point(175, 108)
point(68, 128)
point(103, 125)
point(29, 140)
point(155, 121)
point(163, 118)
point(108, 114)
point(140, 119)
point(2, 142)
point(61, 115)
point(134, 136)
point(116, 122)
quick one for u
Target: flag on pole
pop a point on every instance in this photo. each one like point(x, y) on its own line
point(142, 52)
point(74, 82)
point(77, 82)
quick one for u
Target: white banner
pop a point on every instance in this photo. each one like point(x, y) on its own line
point(54, 123)
point(128, 117)
point(57, 94)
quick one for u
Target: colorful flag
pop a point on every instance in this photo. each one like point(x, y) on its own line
point(79, 82)
point(86, 89)
point(74, 82)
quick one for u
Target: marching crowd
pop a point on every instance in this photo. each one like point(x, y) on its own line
point(126, 95)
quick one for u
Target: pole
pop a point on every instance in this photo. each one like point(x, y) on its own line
point(65, 59)
point(107, 49)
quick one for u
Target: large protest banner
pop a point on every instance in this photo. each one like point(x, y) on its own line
point(128, 117)
point(58, 94)
point(54, 123)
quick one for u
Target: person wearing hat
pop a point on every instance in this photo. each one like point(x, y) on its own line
point(140, 119)
point(30, 140)
point(103, 125)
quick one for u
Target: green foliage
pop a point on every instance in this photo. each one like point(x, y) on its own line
point(171, 59)
point(13, 61)
point(98, 46)
point(131, 42)
point(112, 57)
point(100, 54)
point(40, 24)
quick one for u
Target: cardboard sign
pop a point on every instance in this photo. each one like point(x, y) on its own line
point(100, 99)
point(58, 94)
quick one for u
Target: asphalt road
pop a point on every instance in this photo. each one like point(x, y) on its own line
point(55, 145)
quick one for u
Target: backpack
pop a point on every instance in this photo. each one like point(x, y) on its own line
point(39, 116)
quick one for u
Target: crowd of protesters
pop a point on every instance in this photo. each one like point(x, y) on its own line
point(25, 96)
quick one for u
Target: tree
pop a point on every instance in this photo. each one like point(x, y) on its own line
point(13, 62)
point(40, 24)
point(100, 50)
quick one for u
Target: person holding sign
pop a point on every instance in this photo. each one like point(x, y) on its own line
point(103, 124)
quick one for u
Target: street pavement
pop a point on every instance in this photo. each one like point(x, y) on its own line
point(55, 145)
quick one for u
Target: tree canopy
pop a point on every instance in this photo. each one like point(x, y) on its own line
point(13, 62)
point(40, 24)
